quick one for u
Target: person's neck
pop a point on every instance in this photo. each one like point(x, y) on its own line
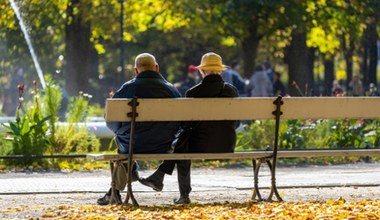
point(211, 73)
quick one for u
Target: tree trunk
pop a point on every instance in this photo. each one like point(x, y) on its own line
point(250, 46)
point(310, 74)
point(373, 56)
point(348, 52)
point(329, 74)
point(78, 51)
point(298, 59)
point(364, 52)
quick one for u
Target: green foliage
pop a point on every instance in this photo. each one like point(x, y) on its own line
point(52, 103)
point(311, 134)
point(5, 145)
point(74, 137)
point(298, 134)
point(75, 140)
point(255, 135)
point(95, 110)
point(372, 135)
point(29, 132)
point(293, 137)
point(34, 134)
point(354, 133)
point(78, 109)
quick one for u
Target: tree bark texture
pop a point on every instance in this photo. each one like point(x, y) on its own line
point(329, 74)
point(250, 46)
point(373, 56)
point(348, 53)
point(298, 59)
point(78, 51)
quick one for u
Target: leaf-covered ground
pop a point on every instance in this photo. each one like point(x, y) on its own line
point(330, 209)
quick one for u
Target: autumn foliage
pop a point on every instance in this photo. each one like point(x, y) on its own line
point(330, 209)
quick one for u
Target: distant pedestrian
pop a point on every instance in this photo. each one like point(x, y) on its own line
point(192, 78)
point(278, 86)
point(232, 76)
point(337, 89)
point(259, 84)
point(356, 86)
point(373, 91)
point(268, 68)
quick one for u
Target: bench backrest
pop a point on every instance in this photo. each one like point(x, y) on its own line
point(188, 109)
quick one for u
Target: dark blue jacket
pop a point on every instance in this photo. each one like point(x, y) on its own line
point(150, 137)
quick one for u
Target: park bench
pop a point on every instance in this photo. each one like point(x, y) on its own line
point(190, 109)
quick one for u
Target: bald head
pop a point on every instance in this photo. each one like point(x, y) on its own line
point(144, 62)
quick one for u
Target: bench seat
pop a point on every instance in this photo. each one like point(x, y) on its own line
point(241, 155)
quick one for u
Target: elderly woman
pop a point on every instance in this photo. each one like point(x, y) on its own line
point(206, 136)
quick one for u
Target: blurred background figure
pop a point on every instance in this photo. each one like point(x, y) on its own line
point(373, 91)
point(192, 78)
point(268, 67)
point(259, 84)
point(337, 89)
point(356, 86)
point(278, 86)
point(232, 76)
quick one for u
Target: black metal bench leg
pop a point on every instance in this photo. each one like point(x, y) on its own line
point(277, 113)
point(273, 189)
point(256, 191)
point(129, 186)
point(133, 116)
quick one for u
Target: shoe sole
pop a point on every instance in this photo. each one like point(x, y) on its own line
point(151, 185)
point(180, 202)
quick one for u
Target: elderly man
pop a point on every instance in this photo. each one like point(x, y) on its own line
point(153, 137)
point(206, 136)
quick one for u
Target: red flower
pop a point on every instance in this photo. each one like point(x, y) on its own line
point(20, 88)
point(35, 83)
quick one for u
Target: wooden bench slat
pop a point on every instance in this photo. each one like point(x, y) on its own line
point(330, 107)
point(240, 155)
point(328, 153)
point(188, 109)
point(182, 156)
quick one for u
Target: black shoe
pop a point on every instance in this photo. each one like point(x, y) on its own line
point(156, 185)
point(182, 200)
point(135, 176)
point(105, 200)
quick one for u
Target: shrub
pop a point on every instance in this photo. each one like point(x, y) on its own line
point(73, 138)
point(37, 132)
point(52, 104)
point(29, 132)
point(256, 135)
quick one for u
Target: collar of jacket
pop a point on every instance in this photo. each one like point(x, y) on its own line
point(213, 78)
point(150, 74)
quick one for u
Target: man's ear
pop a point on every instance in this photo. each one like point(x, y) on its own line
point(156, 68)
point(202, 72)
point(136, 71)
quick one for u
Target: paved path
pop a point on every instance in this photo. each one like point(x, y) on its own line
point(215, 179)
